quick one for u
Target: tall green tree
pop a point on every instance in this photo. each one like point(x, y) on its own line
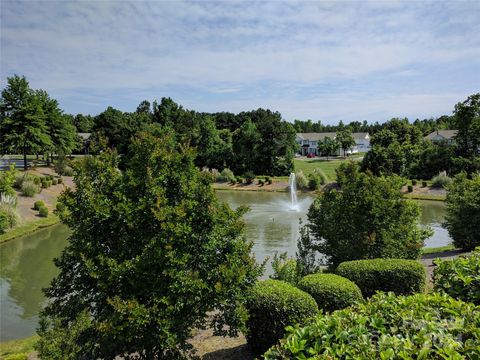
point(246, 140)
point(366, 219)
point(345, 138)
point(23, 127)
point(152, 253)
point(328, 146)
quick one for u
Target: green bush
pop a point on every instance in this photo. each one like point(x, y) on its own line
point(68, 171)
point(226, 175)
point(38, 204)
point(316, 179)
point(43, 211)
point(17, 357)
point(285, 269)
point(30, 189)
point(54, 182)
point(459, 278)
point(331, 292)
point(249, 177)
point(19, 179)
point(239, 180)
point(60, 180)
point(7, 181)
point(268, 180)
point(49, 183)
point(273, 305)
point(424, 184)
point(403, 277)
point(414, 182)
point(37, 180)
point(410, 188)
point(441, 181)
point(44, 184)
point(261, 182)
point(301, 180)
point(4, 225)
point(420, 326)
point(60, 207)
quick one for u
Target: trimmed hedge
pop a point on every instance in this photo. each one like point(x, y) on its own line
point(420, 326)
point(403, 277)
point(38, 204)
point(43, 211)
point(459, 278)
point(272, 306)
point(331, 292)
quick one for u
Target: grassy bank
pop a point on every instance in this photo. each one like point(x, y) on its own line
point(17, 347)
point(327, 166)
point(425, 197)
point(437, 250)
point(28, 228)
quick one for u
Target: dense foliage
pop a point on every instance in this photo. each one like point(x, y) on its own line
point(331, 292)
point(152, 251)
point(389, 327)
point(285, 269)
point(272, 306)
point(462, 219)
point(459, 278)
point(367, 218)
point(400, 276)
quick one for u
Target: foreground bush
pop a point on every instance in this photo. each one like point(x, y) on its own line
point(272, 306)
point(459, 278)
point(421, 326)
point(462, 219)
point(402, 277)
point(226, 175)
point(151, 254)
point(43, 211)
point(30, 189)
point(330, 291)
point(38, 204)
point(285, 269)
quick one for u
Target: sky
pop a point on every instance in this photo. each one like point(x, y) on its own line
point(328, 61)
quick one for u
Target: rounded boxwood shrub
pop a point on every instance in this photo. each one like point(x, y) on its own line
point(424, 184)
point(54, 182)
point(38, 204)
point(44, 184)
point(459, 278)
point(420, 326)
point(60, 180)
point(273, 305)
point(414, 182)
point(331, 292)
point(403, 277)
point(43, 211)
point(410, 188)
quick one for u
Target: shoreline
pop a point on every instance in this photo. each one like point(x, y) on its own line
point(29, 228)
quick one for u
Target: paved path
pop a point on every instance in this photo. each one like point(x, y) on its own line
point(427, 260)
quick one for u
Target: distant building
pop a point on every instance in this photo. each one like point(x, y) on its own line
point(447, 136)
point(309, 142)
point(85, 137)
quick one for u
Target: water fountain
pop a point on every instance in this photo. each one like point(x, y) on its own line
point(292, 184)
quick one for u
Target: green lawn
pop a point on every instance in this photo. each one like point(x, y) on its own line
point(328, 167)
point(16, 347)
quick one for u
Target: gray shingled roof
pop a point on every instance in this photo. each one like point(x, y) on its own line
point(447, 134)
point(321, 136)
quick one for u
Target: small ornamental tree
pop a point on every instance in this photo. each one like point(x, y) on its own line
point(463, 211)
point(152, 252)
point(367, 218)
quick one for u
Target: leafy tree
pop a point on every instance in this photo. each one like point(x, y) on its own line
point(467, 122)
point(366, 219)
point(83, 123)
point(345, 139)
point(328, 146)
point(246, 139)
point(23, 125)
point(152, 252)
point(462, 219)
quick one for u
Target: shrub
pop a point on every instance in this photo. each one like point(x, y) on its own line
point(44, 184)
point(316, 179)
point(68, 171)
point(21, 356)
point(38, 204)
point(459, 278)
point(7, 180)
point(301, 180)
point(37, 180)
point(43, 211)
point(420, 326)
point(227, 176)
point(54, 182)
point(9, 214)
point(414, 182)
point(273, 305)
point(3, 222)
point(410, 188)
point(441, 181)
point(30, 189)
point(49, 183)
point(268, 180)
point(261, 182)
point(249, 177)
point(331, 292)
point(19, 178)
point(60, 180)
point(462, 219)
point(239, 180)
point(60, 207)
point(285, 269)
point(403, 277)
point(424, 184)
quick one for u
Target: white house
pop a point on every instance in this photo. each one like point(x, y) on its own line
point(442, 135)
point(309, 142)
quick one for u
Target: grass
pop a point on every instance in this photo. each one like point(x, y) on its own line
point(436, 250)
point(28, 228)
point(425, 197)
point(22, 346)
point(327, 166)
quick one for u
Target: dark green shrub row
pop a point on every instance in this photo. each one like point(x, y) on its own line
point(272, 306)
point(459, 278)
point(420, 326)
point(403, 277)
point(331, 292)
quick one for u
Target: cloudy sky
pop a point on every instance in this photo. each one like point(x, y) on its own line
point(319, 60)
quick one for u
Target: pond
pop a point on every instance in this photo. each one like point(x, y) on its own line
point(26, 263)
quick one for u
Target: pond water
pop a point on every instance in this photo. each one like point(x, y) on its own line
point(26, 263)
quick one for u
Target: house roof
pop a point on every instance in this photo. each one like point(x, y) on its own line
point(85, 136)
point(446, 134)
point(321, 136)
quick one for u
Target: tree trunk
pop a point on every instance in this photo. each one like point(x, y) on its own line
point(25, 159)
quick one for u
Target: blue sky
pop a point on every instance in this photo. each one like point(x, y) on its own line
point(309, 60)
